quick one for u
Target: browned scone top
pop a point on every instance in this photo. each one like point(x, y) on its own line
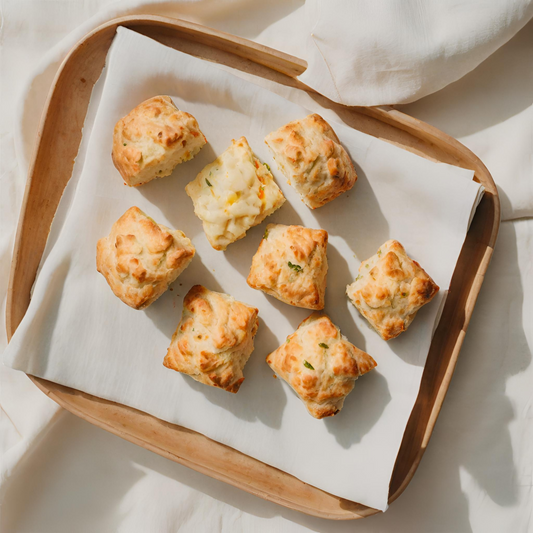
point(320, 364)
point(152, 139)
point(310, 155)
point(291, 264)
point(214, 339)
point(140, 258)
point(390, 289)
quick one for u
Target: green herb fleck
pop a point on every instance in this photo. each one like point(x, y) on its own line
point(288, 340)
point(266, 165)
point(404, 294)
point(296, 268)
point(367, 265)
point(358, 277)
point(261, 188)
point(308, 365)
point(208, 182)
point(125, 144)
point(265, 234)
point(323, 345)
point(379, 252)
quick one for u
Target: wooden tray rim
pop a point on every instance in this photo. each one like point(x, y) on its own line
point(292, 67)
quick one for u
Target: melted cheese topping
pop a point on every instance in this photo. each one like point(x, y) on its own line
point(232, 194)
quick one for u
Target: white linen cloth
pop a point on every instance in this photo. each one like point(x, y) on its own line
point(72, 476)
point(118, 352)
point(389, 52)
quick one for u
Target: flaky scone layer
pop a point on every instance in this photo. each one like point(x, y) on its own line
point(214, 339)
point(310, 155)
point(320, 364)
point(152, 139)
point(291, 264)
point(390, 289)
point(140, 258)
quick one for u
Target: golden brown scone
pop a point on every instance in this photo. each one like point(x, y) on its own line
point(152, 139)
point(320, 364)
point(140, 258)
point(309, 153)
point(214, 339)
point(233, 193)
point(390, 289)
point(291, 264)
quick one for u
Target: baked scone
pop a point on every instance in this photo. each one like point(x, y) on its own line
point(140, 258)
point(309, 153)
point(320, 364)
point(233, 193)
point(291, 264)
point(214, 339)
point(152, 139)
point(390, 289)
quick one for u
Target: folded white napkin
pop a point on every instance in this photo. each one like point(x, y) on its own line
point(388, 52)
point(76, 332)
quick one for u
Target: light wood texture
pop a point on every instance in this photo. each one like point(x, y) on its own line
point(56, 148)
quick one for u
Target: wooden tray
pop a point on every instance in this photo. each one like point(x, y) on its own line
point(53, 160)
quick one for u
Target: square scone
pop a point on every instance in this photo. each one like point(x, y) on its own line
point(152, 139)
point(233, 193)
point(140, 258)
point(390, 289)
point(310, 155)
point(214, 339)
point(291, 264)
point(320, 365)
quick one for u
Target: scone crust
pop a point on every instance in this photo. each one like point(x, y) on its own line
point(291, 264)
point(310, 155)
point(320, 364)
point(214, 339)
point(233, 194)
point(390, 289)
point(152, 139)
point(140, 258)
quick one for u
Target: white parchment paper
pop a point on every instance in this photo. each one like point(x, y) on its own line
point(76, 332)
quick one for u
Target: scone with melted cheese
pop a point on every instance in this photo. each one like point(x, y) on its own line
point(310, 155)
point(233, 193)
point(140, 258)
point(390, 289)
point(320, 364)
point(152, 139)
point(291, 264)
point(214, 339)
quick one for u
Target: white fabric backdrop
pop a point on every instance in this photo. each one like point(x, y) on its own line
point(61, 474)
